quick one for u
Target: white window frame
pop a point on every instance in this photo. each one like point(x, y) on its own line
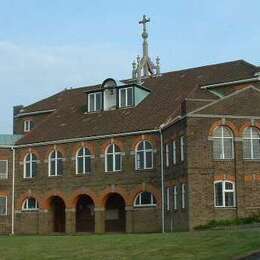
point(25, 205)
point(224, 191)
point(56, 163)
point(222, 138)
point(251, 139)
point(174, 152)
point(4, 176)
point(139, 199)
point(84, 156)
point(183, 191)
point(27, 125)
point(95, 101)
point(6, 208)
point(145, 151)
point(168, 198)
point(182, 147)
point(167, 155)
point(175, 198)
point(114, 153)
point(30, 163)
point(126, 97)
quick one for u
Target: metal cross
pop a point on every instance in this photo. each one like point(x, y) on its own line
point(144, 21)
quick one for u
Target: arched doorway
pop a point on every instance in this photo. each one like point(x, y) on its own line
point(58, 214)
point(85, 215)
point(115, 217)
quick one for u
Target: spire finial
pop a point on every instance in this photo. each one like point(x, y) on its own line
point(145, 66)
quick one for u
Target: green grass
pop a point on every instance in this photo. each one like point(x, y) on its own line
point(194, 245)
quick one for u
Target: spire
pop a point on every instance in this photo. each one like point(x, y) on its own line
point(143, 67)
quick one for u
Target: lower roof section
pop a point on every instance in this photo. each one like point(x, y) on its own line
point(9, 140)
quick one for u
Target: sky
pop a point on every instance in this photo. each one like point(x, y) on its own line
point(47, 46)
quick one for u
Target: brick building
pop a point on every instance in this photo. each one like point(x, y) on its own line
point(159, 152)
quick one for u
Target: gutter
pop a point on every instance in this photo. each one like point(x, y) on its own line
point(13, 191)
point(162, 184)
point(241, 81)
point(35, 113)
point(80, 139)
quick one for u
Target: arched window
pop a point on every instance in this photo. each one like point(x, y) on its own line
point(30, 204)
point(251, 143)
point(113, 160)
point(222, 143)
point(145, 199)
point(144, 156)
point(30, 165)
point(55, 163)
point(83, 161)
point(224, 194)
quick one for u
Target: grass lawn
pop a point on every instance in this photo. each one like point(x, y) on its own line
point(194, 245)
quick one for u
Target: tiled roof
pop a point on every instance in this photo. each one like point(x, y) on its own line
point(9, 140)
point(167, 93)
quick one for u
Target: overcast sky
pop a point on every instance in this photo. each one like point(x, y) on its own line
point(46, 46)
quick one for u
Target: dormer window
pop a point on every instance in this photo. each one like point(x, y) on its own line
point(126, 97)
point(95, 102)
point(28, 125)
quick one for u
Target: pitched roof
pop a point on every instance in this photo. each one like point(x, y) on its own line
point(9, 140)
point(168, 91)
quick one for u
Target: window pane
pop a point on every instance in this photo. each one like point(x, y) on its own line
point(109, 162)
point(80, 153)
point(227, 132)
point(34, 168)
point(110, 149)
point(146, 198)
point(217, 148)
point(31, 203)
point(123, 97)
point(52, 171)
point(247, 148)
point(148, 145)
point(91, 103)
point(256, 148)
point(80, 164)
point(118, 162)
point(27, 170)
point(98, 101)
point(255, 132)
point(148, 159)
point(140, 146)
point(229, 199)
point(140, 160)
point(217, 132)
point(219, 194)
point(59, 167)
point(228, 186)
point(88, 164)
point(228, 148)
point(130, 96)
point(2, 205)
point(117, 149)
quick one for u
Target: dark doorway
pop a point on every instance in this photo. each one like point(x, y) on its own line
point(85, 216)
point(58, 214)
point(115, 218)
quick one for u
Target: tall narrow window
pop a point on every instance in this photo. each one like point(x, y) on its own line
point(145, 199)
point(251, 144)
point(30, 166)
point(83, 161)
point(3, 169)
point(3, 205)
point(222, 143)
point(113, 161)
point(183, 196)
point(168, 198)
point(174, 152)
point(55, 163)
point(95, 102)
point(126, 97)
point(28, 125)
point(182, 148)
point(224, 193)
point(30, 204)
point(167, 155)
point(144, 156)
point(175, 205)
